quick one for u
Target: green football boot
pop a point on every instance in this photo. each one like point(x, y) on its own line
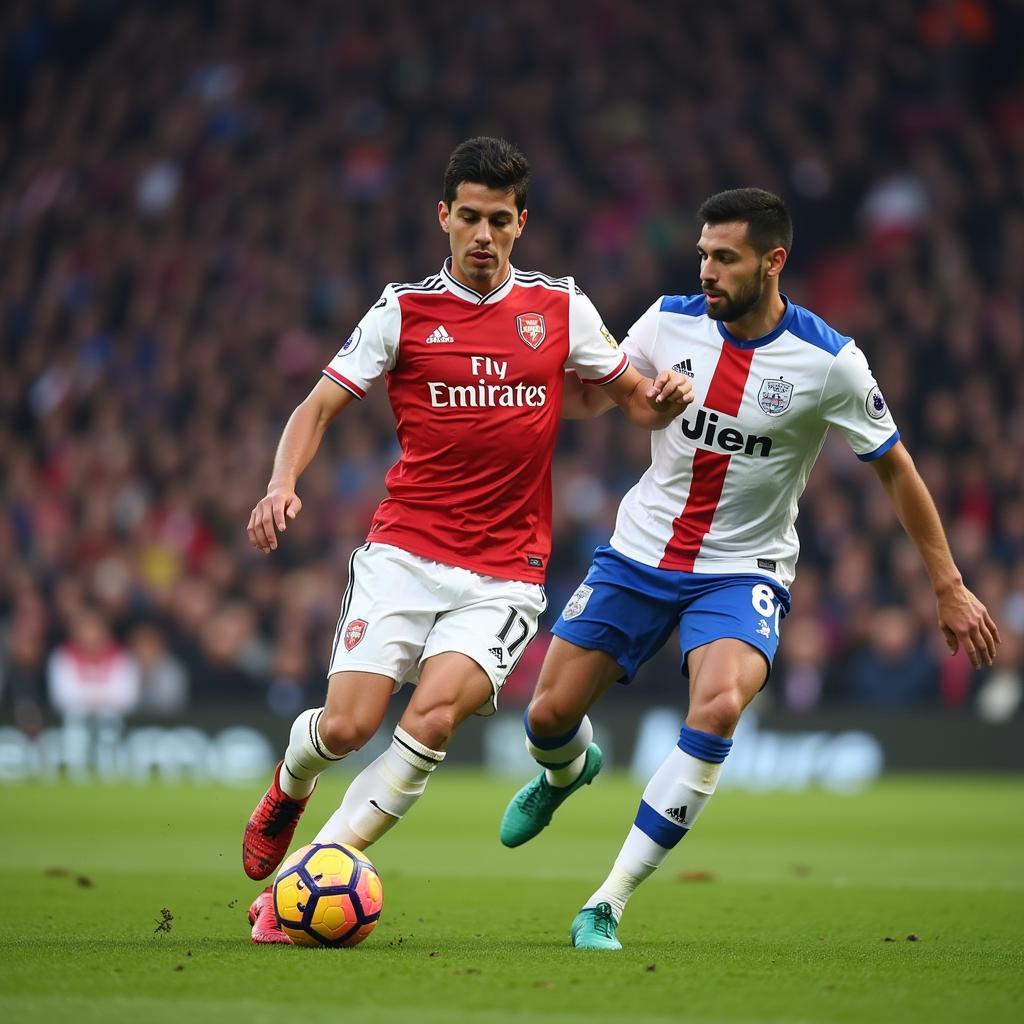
point(532, 807)
point(594, 928)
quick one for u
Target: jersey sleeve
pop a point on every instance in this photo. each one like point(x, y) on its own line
point(639, 342)
point(593, 352)
point(852, 401)
point(371, 349)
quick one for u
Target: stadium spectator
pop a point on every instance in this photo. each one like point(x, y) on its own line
point(163, 680)
point(91, 676)
point(23, 664)
point(896, 667)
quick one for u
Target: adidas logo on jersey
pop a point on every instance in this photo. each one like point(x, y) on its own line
point(499, 655)
point(677, 813)
point(440, 336)
point(684, 366)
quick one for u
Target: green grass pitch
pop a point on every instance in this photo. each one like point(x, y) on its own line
point(779, 907)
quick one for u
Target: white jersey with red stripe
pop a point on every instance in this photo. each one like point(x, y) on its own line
point(721, 492)
point(475, 382)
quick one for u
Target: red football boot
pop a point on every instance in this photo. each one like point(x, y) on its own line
point(263, 918)
point(269, 831)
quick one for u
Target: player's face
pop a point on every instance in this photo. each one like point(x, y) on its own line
point(482, 226)
point(732, 273)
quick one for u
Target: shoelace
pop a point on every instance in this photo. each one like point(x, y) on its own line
point(282, 814)
point(534, 797)
point(604, 922)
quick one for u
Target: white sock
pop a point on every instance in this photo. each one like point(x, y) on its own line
point(381, 794)
point(561, 757)
point(566, 776)
point(306, 756)
point(672, 801)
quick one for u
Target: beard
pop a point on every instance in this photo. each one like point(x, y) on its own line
point(730, 309)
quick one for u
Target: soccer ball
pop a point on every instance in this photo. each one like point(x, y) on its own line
point(328, 895)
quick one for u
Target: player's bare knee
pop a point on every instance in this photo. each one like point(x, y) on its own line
point(718, 714)
point(548, 716)
point(432, 726)
point(343, 732)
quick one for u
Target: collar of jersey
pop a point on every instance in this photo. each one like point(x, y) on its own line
point(470, 294)
point(781, 326)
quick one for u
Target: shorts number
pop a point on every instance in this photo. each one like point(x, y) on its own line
point(514, 619)
point(763, 600)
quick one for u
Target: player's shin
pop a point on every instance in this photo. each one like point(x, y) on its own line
point(306, 757)
point(561, 757)
point(382, 793)
point(671, 804)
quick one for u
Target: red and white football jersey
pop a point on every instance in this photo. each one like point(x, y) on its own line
point(475, 382)
point(721, 492)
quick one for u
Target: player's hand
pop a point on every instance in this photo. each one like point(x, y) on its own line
point(966, 623)
point(270, 517)
point(670, 392)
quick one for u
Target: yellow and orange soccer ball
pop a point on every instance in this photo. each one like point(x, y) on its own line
point(328, 895)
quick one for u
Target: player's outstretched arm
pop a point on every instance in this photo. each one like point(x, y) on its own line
point(583, 401)
point(653, 404)
point(299, 443)
point(650, 403)
point(963, 619)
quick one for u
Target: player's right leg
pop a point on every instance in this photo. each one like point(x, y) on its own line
point(386, 614)
point(559, 736)
point(355, 707)
point(621, 614)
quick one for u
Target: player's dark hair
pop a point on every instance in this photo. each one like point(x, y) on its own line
point(768, 222)
point(487, 161)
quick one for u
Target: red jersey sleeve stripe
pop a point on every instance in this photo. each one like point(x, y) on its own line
point(617, 372)
point(344, 382)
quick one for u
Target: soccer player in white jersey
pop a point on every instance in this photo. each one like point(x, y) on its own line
point(448, 588)
point(706, 539)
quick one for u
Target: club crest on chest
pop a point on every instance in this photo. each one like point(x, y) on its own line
point(532, 328)
point(775, 396)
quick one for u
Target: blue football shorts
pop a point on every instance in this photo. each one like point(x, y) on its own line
point(628, 610)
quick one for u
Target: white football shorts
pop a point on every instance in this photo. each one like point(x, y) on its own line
point(400, 609)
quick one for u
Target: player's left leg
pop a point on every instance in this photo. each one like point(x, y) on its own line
point(725, 677)
point(452, 687)
point(263, 918)
point(729, 632)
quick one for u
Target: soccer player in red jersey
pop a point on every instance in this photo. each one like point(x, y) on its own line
point(448, 589)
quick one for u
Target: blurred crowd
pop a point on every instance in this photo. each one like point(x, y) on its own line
point(199, 200)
